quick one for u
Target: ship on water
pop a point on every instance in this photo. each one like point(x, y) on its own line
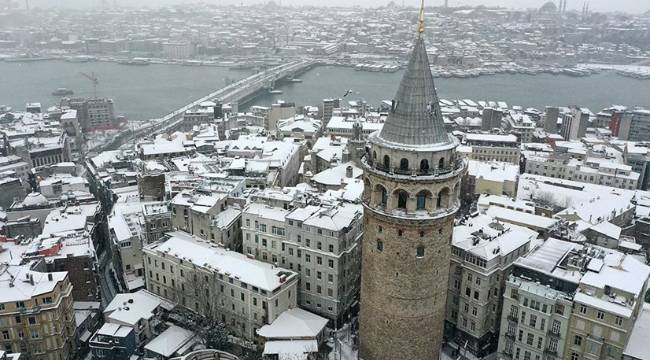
point(62, 92)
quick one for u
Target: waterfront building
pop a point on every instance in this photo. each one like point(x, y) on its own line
point(411, 184)
point(328, 109)
point(230, 287)
point(93, 114)
point(635, 125)
point(574, 124)
point(491, 119)
point(551, 117)
point(36, 313)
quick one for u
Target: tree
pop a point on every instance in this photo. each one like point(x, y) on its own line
point(216, 337)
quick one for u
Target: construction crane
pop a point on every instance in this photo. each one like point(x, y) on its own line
point(93, 78)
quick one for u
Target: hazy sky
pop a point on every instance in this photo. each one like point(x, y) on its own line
point(634, 6)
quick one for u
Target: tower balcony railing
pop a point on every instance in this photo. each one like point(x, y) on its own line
point(449, 171)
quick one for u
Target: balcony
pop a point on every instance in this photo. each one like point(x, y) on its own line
point(513, 318)
point(550, 352)
point(510, 335)
point(553, 334)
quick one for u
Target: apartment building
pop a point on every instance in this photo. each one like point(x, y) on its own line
point(36, 313)
point(607, 303)
point(483, 251)
point(590, 170)
point(320, 242)
point(487, 147)
point(571, 301)
point(490, 177)
point(203, 277)
point(194, 210)
point(537, 303)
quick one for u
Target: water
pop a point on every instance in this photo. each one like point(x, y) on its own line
point(140, 92)
point(143, 92)
point(595, 92)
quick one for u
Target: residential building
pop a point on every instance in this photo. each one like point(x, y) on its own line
point(483, 251)
point(36, 314)
point(490, 147)
point(199, 275)
point(635, 125)
point(490, 178)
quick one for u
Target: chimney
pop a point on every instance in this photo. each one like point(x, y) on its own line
point(49, 276)
point(349, 171)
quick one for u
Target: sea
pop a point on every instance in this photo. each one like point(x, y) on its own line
point(146, 92)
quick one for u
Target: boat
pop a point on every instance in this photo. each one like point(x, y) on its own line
point(275, 92)
point(296, 80)
point(62, 92)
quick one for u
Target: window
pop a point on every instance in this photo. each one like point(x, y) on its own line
point(330, 263)
point(421, 200)
point(441, 163)
point(404, 164)
point(424, 165)
point(575, 356)
point(577, 340)
point(530, 339)
point(402, 199)
point(583, 310)
point(532, 321)
point(600, 315)
point(619, 321)
point(386, 162)
point(419, 252)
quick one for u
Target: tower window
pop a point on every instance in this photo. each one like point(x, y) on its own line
point(386, 162)
point(419, 252)
point(402, 198)
point(380, 229)
point(404, 164)
point(380, 246)
point(441, 163)
point(421, 200)
point(424, 165)
point(421, 233)
point(399, 232)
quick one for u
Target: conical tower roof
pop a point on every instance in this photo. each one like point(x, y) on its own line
point(415, 118)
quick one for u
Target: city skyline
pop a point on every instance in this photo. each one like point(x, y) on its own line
point(630, 6)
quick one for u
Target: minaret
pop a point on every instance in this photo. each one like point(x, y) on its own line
point(412, 180)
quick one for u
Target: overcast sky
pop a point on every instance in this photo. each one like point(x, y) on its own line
point(633, 6)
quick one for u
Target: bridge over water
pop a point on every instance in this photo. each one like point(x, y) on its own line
point(236, 93)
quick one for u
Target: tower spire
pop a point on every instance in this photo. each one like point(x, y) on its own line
point(421, 22)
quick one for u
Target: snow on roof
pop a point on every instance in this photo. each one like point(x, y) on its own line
point(72, 218)
point(603, 304)
point(129, 309)
point(225, 218)
point(637, 344)
point(487, 239)
point(335, 218)
point(521, 218)
point(266, 212)
point(161, 146)
point(291, 349)
point(608, 229)
point(294, 323)
point(205, 254)
point(114, 330)
point(337, 176)
point(619, 272)
point(493, 170)
point(491, 138)
point(170, 341)
point(22, 289)
point(548, 256)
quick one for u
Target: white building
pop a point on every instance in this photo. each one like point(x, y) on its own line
point(241, 292)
